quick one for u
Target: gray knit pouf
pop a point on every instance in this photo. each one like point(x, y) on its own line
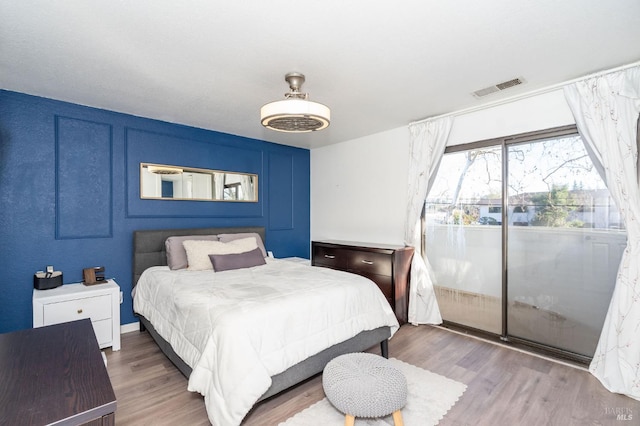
point(365, 385)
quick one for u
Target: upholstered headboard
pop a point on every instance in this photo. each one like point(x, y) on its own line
point(149, 249)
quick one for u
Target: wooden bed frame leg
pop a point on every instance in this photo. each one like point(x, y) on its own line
point(142, 327)
point(384, 348)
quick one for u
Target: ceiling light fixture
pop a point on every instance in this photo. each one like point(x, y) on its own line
point(164, 170)
point(296, 114)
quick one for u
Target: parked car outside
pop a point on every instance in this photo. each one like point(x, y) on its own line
point(485, 220)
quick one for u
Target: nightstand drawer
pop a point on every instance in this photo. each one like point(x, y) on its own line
point(97, 308)
point(71, 302)
point(103, 330)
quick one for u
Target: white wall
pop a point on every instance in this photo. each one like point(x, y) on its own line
point(525, 115)
point(358, 187)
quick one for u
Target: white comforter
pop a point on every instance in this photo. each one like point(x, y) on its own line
point(236, 329)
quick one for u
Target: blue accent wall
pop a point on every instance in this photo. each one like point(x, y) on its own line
point(70, 193)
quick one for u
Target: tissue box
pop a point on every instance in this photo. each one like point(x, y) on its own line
point(43, 283)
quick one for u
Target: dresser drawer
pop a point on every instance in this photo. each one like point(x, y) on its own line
point(97, 308)
point(387, 265)
point(335, 258)
point(364, 262)
point(384, 282)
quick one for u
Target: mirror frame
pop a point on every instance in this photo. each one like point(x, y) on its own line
point(197, 170)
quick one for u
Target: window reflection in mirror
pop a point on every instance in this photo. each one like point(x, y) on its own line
point(165, 182)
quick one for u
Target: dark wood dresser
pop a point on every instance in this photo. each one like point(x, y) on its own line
point(388, 266)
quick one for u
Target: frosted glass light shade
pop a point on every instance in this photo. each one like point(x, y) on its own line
point(295, 116)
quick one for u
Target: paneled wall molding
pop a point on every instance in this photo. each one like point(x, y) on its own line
point(281, 194)
point(143, 146)
point(69, 190)
point(83, 175)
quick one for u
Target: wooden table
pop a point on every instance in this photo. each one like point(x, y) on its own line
point(54, 375)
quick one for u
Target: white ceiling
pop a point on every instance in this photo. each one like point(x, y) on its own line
point(378, 64)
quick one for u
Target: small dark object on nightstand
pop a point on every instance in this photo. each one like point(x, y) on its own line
point(42, 281)
point(95, 275)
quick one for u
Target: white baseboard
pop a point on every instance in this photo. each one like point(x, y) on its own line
point(128, 328)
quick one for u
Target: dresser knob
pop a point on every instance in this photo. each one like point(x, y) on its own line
point(330, 256)
point(79, 311)
point(367, 262)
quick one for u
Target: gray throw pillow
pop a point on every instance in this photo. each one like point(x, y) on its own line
point(176, 254)
point(226, 262)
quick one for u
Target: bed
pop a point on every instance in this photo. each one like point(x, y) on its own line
point(149, 268)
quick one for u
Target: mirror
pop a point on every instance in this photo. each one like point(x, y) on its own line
point(164, 182)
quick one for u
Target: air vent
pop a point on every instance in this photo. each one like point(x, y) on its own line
point(498, 87)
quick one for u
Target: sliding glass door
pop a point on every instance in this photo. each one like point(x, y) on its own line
point(524, 240)
point(564, 245)
point(463, 237)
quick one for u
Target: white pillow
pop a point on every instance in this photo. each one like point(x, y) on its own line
point(198, 251)
point(226, 238)
point(176, 256)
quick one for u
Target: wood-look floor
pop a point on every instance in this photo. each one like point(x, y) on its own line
point(504, 386)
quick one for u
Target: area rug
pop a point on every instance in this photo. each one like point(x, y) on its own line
point(430, 397)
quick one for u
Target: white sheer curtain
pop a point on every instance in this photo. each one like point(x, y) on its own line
point(427, 144)
point(218, 186)
point(247, 187)
point(606, 110)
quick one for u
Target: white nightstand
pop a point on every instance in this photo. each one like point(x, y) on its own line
point(99, 302)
